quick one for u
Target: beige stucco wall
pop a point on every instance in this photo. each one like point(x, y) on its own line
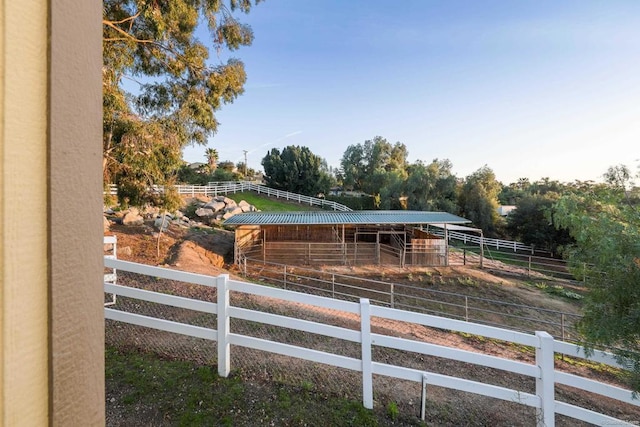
point(51, 318)
point(75, 213)
point(23, 221)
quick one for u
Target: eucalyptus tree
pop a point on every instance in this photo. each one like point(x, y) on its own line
point(161, 85)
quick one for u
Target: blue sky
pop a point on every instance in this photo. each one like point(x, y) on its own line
point(546, 88)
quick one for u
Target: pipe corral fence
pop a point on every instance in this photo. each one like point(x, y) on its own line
point(220, 321)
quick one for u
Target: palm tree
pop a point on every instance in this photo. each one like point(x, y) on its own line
point(212, 158)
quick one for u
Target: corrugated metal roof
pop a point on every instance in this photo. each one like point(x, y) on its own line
point(353, 217)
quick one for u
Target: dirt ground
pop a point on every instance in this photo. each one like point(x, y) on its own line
point(210, 251)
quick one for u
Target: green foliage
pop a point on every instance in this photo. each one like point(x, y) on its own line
point(297, 170)
point(365, 166)
point(188, 175)
point(532, 223)
point(186, 393)
point(605, 223)
point(559, 291)
point(431, 187)
point(392, 410)
point(178, 88)
point(478, 200)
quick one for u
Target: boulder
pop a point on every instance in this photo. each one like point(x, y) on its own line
point(162, 223)
point(229, 212)
point(132, 218)
point(246, 207)
point(204, 212)
point(215, 206)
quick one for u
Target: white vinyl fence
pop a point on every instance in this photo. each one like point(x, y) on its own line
point(542, 371)
point(221, 188)
point(477, 240)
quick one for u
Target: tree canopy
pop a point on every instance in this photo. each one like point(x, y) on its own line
point(605, 223)
point(478, 199)
point(161, 88)
point(296, 169)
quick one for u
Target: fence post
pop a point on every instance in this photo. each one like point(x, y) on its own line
point(423, 406)
point(392, 300)
point(333, 285)
point(224, 348)
point(529, 270)
point(285, 277)
point(365, 339)
point(545, 383)
point(466, 308)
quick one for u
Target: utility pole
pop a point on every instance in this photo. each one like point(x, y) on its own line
point(245, 163)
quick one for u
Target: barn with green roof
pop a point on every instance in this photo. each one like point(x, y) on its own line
point(400, 238)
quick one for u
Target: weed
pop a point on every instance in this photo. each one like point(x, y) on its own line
point(558, 290)
point(307, 386)
point(392, 410)
point(467, 281)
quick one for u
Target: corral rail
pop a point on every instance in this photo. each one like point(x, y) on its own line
point(366, 340)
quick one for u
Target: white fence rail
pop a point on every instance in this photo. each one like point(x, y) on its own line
point(542, 370)
point(477, 240)
point(219, 188)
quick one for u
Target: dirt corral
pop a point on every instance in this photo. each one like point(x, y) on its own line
point(210, 252)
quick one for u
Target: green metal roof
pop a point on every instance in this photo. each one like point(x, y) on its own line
point(353, 217)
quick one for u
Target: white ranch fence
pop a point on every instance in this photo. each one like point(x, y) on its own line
point(221, 188)
point(542, 371)
point(488, 242)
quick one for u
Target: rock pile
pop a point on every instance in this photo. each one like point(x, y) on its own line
point(211, 212)
point(221, 208)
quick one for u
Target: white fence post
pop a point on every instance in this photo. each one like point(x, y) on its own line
point(224, 348)
point(367, 369)
point(545, 383)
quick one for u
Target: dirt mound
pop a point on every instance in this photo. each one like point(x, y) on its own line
point(203, 252)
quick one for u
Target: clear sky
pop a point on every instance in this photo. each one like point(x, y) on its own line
point(531, 88)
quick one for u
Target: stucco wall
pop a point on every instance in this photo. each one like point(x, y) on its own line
point(51, 318)
point(75, 241)
point(23, 221)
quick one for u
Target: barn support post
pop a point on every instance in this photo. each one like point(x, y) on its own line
point(481, 248)
point(344, 248)
point(446, 246)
